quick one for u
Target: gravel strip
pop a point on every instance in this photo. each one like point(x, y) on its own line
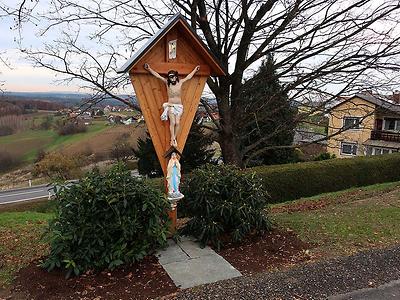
point(311, 281)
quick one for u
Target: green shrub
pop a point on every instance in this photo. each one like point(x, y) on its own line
point(224, 203)
point(324, 156)
point(104, 221)
point(8, 160)
point(58, 166)
point(294, 181)
point(71, 128)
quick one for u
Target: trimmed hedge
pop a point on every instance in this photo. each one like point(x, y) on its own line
point(294, 181)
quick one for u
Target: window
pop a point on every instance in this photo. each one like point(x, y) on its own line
point(368, 150)
point(348, 148)
point(351, 122)
point(391, 124)
point(380, 150)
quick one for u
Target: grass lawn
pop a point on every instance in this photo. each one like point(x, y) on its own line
point(93, 129)
point(313, 128)
point(20, 233)
point(347, 221)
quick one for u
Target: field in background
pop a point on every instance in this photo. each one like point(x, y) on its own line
point(99, 138)
point(102, 141)
point(25, 144)
point(95, 144)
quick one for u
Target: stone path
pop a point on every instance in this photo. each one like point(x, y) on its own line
point(188, 265)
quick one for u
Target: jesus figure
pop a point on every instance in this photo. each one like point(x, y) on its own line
point(173, 109)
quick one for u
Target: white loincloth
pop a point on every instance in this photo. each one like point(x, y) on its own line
point(176, 109)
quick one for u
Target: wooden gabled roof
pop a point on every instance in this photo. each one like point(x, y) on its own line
point(216, 68)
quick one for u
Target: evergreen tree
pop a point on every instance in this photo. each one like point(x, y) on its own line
point(197, 152)
point(267, 116)
point(148, 163)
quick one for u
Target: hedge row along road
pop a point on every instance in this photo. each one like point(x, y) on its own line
point(295, 181)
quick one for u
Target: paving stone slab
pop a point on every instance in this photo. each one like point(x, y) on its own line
point(172, 253)
point(188, 265)
point(193, 250)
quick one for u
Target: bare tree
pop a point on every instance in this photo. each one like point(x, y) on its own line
point(322, 48)
point(3, 63)
point(94, 72)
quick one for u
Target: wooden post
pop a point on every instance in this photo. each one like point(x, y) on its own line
point(173, 216)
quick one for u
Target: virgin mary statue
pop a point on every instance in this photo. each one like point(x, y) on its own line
point(174, 178)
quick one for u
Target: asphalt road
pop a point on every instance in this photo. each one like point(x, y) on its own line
point(32, 193)
point(25, 194)
point(385, 292)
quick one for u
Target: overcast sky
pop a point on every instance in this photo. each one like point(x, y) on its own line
point(21, 76)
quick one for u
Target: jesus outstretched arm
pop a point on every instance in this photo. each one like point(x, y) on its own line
point(154, 73)
point(190, 75)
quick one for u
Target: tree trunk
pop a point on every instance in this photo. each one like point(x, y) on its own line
point(229, 146)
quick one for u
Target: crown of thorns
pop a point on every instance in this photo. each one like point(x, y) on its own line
point(172, 73)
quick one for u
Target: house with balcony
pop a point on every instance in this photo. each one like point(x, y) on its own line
point(364, 125)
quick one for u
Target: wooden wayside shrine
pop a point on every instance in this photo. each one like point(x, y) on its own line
point(151, 92)
point(174, 47)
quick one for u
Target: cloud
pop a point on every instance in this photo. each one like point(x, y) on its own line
point(22, 76)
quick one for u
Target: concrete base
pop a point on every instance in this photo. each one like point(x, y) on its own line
point(188, 265)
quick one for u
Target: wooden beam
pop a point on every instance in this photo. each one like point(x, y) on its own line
point(163, 68)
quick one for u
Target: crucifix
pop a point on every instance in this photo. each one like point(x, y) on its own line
point(168, 75)
point(173, 109)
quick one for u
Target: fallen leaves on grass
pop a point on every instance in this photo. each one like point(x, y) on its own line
point(325, 201)
point(20, 245)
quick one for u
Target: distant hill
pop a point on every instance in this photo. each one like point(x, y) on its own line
point(65, 98)
point(9, 106)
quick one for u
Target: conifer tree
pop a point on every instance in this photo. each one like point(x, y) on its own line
point(267, 115)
